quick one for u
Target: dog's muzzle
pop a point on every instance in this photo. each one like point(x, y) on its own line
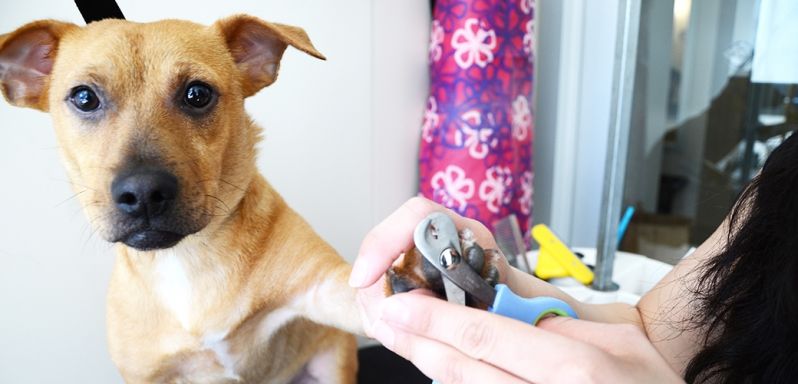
point(145, 200)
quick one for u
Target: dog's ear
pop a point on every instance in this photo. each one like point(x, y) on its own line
point(26, 60)
point(257, 47)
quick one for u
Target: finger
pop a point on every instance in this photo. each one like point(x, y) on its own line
point(369, 301)
point(424, 292)
point(516, 347)
point(386, 241)
point(612, 338)
point(394, 235)
point(439, 361)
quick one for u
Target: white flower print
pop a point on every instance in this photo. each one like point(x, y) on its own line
point(452, 188)
point(478, 139)
point(435, 41)
point(431, 120)
point(527, 6)
point(495, 190)
point(527, 188)
point(473, 45)
point(521, 117)
point(529, 39)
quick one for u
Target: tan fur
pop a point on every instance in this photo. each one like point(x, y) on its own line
point(252, 256)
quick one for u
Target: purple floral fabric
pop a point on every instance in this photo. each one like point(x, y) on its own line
point(476, 142)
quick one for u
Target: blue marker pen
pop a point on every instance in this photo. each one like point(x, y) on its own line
point(624, 224)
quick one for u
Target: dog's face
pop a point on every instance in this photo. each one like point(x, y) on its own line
point(149, 117)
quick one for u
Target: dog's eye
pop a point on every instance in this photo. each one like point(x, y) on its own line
point(198, 95)
point(84, 98)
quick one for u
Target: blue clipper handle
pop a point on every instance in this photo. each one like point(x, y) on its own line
point(508, 304)
point(529, 311)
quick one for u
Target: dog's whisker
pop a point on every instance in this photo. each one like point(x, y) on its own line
point(69, 198)
point(92, 229)
point(203, 181)
point(207, 213)
point(89, 204)
point(88, 239)
point(70, 182)
point(217, 207)
point(81, 209)
point(100, 167)
point(195, 169)
point(218, 211)
point(219, 200)
point(84, 228)
point(95, 219)
point(232, 185)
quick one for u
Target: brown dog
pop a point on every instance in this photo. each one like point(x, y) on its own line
point(216, 278)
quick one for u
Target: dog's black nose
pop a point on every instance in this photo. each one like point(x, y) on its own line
point(144, 191)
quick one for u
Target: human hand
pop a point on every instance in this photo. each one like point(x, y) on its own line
point(456, 344)
point(393, 236)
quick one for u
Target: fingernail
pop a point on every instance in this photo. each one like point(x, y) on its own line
point(395, 310)
point(357, 279)
point(384, 334)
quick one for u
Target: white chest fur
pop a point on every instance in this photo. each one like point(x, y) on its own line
point(174, 286)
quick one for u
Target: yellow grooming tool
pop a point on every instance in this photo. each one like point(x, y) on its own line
point(556, 260)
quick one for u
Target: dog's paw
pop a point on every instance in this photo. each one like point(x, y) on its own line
point(412, 271)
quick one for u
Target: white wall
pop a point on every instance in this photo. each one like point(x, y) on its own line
point(549, 39)
point(340, 146)
point(400, 84)
point(573, 114)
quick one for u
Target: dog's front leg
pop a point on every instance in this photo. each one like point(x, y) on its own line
point(332, 301)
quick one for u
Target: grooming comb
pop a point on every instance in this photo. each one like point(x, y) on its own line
point(511, 242)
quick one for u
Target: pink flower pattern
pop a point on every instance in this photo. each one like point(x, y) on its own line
point(452, 188)
point(478, 139)
point(527, 190)
point(431, 120)
point(476, 144)
point(435, 41)
point(529, 40)
point(495, 190)
point(522, 117)
point(473, 45)
point(527, 6)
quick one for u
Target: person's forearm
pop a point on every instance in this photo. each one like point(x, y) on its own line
point(527, 285)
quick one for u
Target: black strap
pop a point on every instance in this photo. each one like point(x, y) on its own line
point(96, 10)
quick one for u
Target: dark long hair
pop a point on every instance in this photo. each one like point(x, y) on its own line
point(747, 294)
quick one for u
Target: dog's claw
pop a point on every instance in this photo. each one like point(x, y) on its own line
point(412, 271)
point(493, 277)
point(398, 283)
point(475, 257)
point(491, 272)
